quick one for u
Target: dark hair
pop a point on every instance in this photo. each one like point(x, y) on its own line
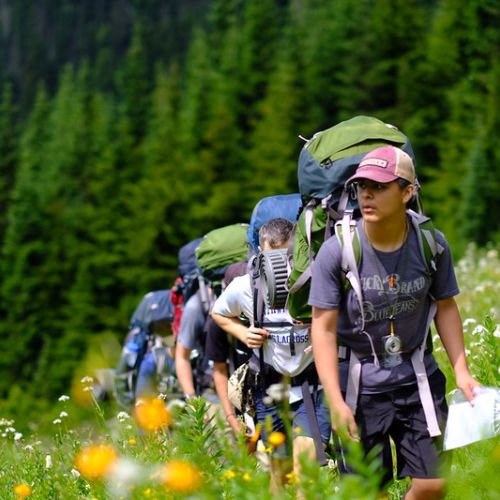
point(275, 232)
point(402, 182)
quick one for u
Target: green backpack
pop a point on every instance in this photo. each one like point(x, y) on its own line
point(221, 247)
point(325, 163)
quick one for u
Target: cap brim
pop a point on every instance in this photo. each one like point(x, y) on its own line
point(372, 174)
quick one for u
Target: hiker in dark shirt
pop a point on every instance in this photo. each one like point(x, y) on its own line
point(382, 327)
point(226, 354)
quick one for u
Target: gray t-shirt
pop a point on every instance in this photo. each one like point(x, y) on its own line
point(408, 301)
point(192, 324)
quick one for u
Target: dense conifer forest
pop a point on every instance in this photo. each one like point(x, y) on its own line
point(130, 127)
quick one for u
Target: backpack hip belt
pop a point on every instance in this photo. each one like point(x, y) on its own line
point(270, 376)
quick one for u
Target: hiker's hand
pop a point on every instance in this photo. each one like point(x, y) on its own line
point(466, 382)
point(234, 423)
point(343, 421)
point(256, 337)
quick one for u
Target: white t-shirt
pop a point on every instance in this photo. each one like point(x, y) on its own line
point(237, 299)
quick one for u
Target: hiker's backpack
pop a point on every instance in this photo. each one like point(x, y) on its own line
point(155, 312)
point(187, 283)
point(219, 248)
point(286, 206)
point(325, 163)
point(188, 268)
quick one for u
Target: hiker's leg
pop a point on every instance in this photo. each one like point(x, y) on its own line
point(302, 446)
point(374, 416)
point(146, 376)
point(426, 489)
point(310, 430)
point(419, 455)
point(280, 463)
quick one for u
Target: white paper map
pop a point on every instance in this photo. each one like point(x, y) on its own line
point(470, 423)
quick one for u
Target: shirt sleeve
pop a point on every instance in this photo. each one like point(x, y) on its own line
point(326, 280)
point(192, 323)
point(217, 344)
point(444, 282)
point(230, 301)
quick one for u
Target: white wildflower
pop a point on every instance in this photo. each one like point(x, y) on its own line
point(479, 329)
point(10, 429)
point(57, 421)
point(17, 436)
point(6, 422)
point(469, 321)
point(28, 447)
point(278, 392)
point(496, 333)
point(492, 254)
point(87, 380)
point(63, 414)
point(48, 462)
point(88, 389)
point(125, 474)
point(75, 473)
point(64, 398)
point(122, 416)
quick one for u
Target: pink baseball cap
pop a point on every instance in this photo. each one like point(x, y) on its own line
point(385, 164)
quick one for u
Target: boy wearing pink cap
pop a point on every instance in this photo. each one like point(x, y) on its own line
point(399, 299)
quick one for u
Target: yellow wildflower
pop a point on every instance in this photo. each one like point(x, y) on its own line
point(132, 442)
point(292, 478)
point(276, 439)
point(246, 476)
point(181, 476)
point(22, 490)
point(229, 474)
point(151, 414)
point(96, 461)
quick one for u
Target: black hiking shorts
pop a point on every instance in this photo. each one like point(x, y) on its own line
point(400, 415)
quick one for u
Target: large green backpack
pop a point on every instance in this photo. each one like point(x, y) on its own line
point(221, 247)
point(325, 163)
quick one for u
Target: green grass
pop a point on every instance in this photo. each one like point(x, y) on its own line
point(39, 446)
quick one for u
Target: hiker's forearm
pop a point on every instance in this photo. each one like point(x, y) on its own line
point(324, 342)
point(221, 386)
point(233, 326)
point(449, 328)
point(184, 370)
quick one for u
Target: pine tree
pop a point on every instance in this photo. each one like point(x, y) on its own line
point(25, 280)
point(274, 143)
point(8, 151)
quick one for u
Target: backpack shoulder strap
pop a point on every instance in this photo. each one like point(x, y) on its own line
point(427, 241)
point(348, 237)
point(346, 231)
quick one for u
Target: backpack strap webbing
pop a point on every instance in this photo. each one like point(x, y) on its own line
point(313, 421)
point(427, 241)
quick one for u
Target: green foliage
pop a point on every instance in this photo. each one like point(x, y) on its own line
point(172, 119)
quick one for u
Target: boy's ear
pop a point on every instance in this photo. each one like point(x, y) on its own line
point(408, 193)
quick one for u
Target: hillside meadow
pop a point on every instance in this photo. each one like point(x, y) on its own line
point(85, 449)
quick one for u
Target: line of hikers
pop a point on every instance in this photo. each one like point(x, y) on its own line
point(323, 305)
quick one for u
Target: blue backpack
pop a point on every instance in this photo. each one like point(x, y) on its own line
point(286, 206)
point(188, 269)
point(154, 314)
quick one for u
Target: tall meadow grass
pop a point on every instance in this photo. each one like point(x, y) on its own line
point(84, 449)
